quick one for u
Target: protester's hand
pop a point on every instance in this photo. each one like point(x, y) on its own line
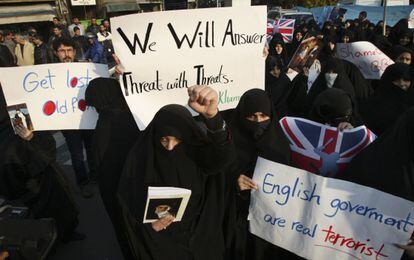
point(246, 183)
point(344, 125)
point(409, 248)
point(23, 132)
point(4, 255)
point(203, 100)
point(119, 69)
point(162, 223)
point(265, 51)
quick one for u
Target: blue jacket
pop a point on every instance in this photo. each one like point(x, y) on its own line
point(95, 53)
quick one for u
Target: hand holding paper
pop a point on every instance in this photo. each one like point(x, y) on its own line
point(203, 100)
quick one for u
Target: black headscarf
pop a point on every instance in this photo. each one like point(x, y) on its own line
point(400, 28)
point(342, 81)
point(380, 112)
point(277, 88)
point(283, 57)
point(326, 51)
point(397, 50)
point(193, 164)
point(388, 163)
point(333, 105)
point(115, 119)
point(253, 139)
point(295, 43)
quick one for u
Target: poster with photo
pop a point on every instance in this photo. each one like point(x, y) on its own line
point(306, 53)
point(19, 115)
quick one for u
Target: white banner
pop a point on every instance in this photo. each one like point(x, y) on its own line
point(54, 94)
point(370, 60)
point(164, 53)
point(324, 218)
point(83, 2)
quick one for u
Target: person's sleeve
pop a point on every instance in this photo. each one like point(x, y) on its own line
point(219, 152)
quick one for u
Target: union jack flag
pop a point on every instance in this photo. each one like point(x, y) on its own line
point(286, 28)
point(270, 29)
point(323, 149)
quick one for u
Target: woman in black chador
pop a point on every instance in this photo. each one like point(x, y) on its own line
point(256, 132)
point(115, 134)
point(394, 96)
point(29, 174)
point(175, 151)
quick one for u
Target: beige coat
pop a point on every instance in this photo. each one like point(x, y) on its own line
point(28, 54)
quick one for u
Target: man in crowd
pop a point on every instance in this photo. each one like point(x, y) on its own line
point(94, 27)
point(76, 23)
point(57, 34)
point(24, 50)
point(41, 51)
point(95, 53)
point(105, 23)
point(9, 42)
point(6, 57)
point(76, 140)
point(62, 27)
point(81, 45)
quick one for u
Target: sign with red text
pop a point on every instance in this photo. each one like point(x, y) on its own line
point(371, 61)
point(323, 218)
point(53, 94)
point(164, 53)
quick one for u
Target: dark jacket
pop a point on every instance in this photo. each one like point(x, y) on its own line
point(42, 54)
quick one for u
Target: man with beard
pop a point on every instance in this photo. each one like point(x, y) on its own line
point(76, 140)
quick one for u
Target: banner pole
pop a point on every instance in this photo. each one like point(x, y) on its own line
point(385, 17)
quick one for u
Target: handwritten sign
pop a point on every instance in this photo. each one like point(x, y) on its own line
point(322, 218)
point(53, 93)
point(164, 53)
point(370, 60)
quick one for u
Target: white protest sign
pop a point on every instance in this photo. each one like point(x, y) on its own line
point(366, 56)
point(53, 93)
point(83, 2)
point(324, 218)
point(164, 53)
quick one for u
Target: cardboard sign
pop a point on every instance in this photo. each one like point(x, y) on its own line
point(52, 94)
point(164, 53)
point(323, 218)
point(366, 56)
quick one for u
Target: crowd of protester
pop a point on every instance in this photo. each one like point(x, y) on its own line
point(93, 44)
point(214, 154)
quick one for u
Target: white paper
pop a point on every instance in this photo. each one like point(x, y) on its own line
point(366, 56)
point(303, 213)
point(54, 93)
point(163, 68)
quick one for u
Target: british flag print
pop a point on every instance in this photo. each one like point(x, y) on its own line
point(286, 28)
point(323, 149)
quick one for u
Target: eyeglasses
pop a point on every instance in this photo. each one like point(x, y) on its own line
point(65, 50)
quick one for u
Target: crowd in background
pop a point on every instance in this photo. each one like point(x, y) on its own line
point(93, 44)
